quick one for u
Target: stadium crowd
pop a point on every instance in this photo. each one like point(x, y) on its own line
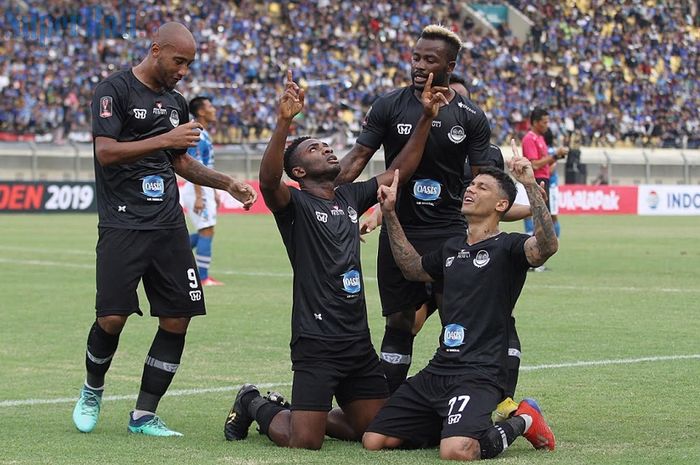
point(614, 73)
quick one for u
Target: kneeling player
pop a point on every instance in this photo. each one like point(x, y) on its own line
point(450, 401)
point(332, 352)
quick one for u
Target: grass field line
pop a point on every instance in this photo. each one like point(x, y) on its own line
point(270, 274)
point(196, 391)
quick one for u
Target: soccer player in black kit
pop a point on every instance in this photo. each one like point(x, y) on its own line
point(331, 349)
point(141, 133)
point(450, 401)
point(429, 205)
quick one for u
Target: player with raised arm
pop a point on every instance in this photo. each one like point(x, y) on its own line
point(331, 349)
point(141, 134)
point(450, 401)
point(429, 205)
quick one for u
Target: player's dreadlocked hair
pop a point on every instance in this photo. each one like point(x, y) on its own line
point(504, 181)
point(290, 155)
point(439, 32)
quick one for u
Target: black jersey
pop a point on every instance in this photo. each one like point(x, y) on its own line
point(322, 238)
point(482, 282)
point(142, 194)
point(432, 198)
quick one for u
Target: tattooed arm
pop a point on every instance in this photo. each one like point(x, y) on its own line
point(405, 254)
point(543, 244)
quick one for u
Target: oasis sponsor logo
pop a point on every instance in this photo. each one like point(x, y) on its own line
point(404, 129)
point(140, 113)
point(352, 283)
point(153, 187)
point(457, 134)
point(427, 190)
point(322, 217)
point(481, 259)
point(453, 335)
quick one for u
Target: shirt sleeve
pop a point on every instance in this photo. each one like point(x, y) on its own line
point(517, 250)
point(530, 148)
point(432, 264)
point(374, 125)
point(479, 141)
point(364, 193)
point(108, 112)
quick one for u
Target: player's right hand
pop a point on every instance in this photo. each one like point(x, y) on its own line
point(432, 97)
point(292, 100)
point(386, 195)
point(184, 136)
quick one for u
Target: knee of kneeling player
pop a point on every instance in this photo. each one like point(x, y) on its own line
point(376, 441)
point(305, 441)
point(460, 448)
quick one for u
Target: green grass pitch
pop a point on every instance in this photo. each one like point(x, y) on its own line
point(622, 298)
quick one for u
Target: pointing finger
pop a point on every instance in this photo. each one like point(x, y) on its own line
point(395, 181)
point(428, 83)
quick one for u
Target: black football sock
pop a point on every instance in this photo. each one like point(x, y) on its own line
point(101, 347)
point(397, 349)
point(263, 411)
point(159, 368)
point(497, 438)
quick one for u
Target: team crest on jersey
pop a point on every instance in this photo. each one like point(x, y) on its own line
point(457, 134)
point(453, 336)
point(174, 118)
point(352, 283)
point(482, 258)
point(404, 129)
point(106, 107)
point(159, 110)
point(352, 214)
point(153, 187)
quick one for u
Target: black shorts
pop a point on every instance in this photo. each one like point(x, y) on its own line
point(428, 407)
point(350, 370)
point(162, 258)
point(396, 293)
point(546, 188)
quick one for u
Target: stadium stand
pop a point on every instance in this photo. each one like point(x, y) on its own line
point(622, 73)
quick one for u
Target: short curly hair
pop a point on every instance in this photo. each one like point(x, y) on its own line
point(290, 156)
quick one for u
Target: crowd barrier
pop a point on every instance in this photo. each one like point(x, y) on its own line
point(645, 199)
